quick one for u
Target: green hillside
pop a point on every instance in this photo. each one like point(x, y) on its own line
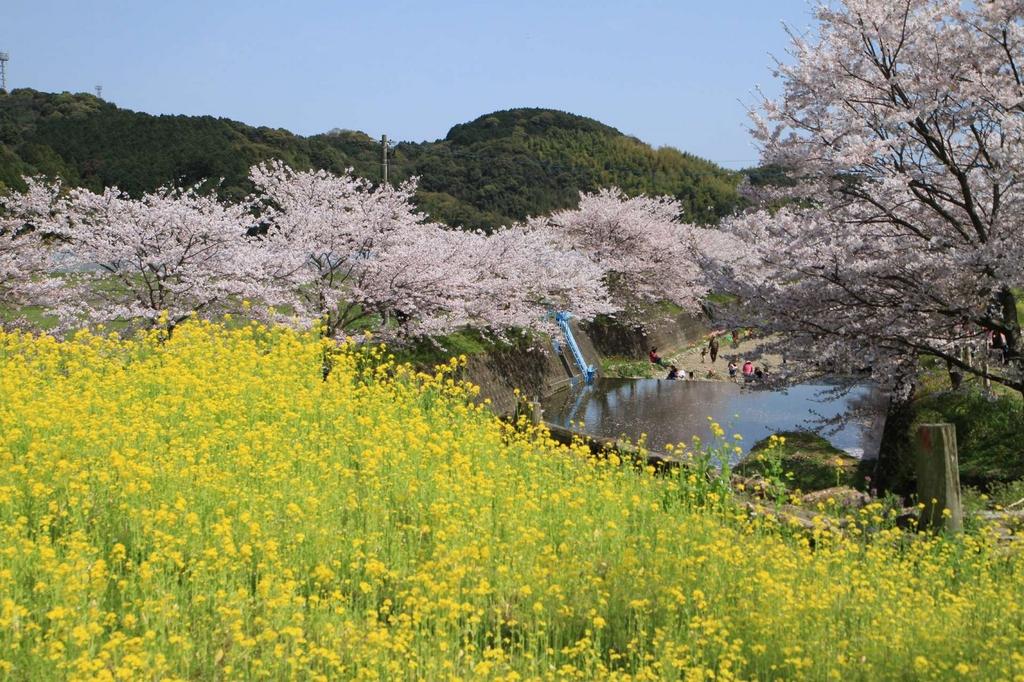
point(498, 168)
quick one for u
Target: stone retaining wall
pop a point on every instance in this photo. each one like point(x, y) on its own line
point(500, 371)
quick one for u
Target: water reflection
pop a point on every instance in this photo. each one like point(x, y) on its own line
point(675, 411)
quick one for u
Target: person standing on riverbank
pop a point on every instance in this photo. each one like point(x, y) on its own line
point(713, 348)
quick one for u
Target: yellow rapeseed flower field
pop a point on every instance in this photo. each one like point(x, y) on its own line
point(208, 507)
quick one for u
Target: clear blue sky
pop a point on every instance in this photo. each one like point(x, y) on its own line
point(671, 72)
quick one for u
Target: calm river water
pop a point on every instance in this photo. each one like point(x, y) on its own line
point(675, 411)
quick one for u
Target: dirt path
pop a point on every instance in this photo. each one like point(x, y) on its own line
point(690, 358)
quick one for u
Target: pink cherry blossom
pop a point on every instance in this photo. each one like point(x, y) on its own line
point(902, 121)
point(641, 243)
point(157, 259)
point(338, 250)
point(28, 234)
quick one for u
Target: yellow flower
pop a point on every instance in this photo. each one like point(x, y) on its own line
point(211, 492)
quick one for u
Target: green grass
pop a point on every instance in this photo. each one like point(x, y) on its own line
point(989, 428)
point(426, 353)
point(989, 432)
point(665, 308)
point(807, 461)
point(35, 316)
point(628, 368)
point(721, 299)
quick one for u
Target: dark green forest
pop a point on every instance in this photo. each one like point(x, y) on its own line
point(496, 169)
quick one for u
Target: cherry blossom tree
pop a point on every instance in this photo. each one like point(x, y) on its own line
point(26, 259)
point(338, 250)
point(524, 273)
point(902, 120)
point(642, 245)
point(308, 246)
point(158, 259)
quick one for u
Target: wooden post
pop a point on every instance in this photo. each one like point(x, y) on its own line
point(536, 412)
point(531, 409)
point(938, 478)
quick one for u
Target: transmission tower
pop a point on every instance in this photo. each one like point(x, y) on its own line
point(4, 58)
point(99, 91)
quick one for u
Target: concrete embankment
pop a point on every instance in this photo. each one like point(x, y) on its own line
point(539, 372)
point(668, 334)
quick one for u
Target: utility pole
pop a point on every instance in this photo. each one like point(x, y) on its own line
point(384, 156)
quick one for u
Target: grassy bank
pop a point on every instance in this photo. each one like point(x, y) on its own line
point(804, 461)
point(210, 508)
point(989, 424)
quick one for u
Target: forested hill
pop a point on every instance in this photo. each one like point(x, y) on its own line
point(498, 168)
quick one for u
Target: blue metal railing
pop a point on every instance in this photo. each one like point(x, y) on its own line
point(562, 318)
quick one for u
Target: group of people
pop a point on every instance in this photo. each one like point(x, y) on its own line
point(748, 371)
point(673, 371)
point(676, 373)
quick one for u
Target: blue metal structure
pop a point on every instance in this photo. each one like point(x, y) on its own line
point(588, 371)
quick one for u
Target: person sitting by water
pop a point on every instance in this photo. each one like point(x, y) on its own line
point(655, 358)
point(748, 370)
point(673, 373)
point(732, 369)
